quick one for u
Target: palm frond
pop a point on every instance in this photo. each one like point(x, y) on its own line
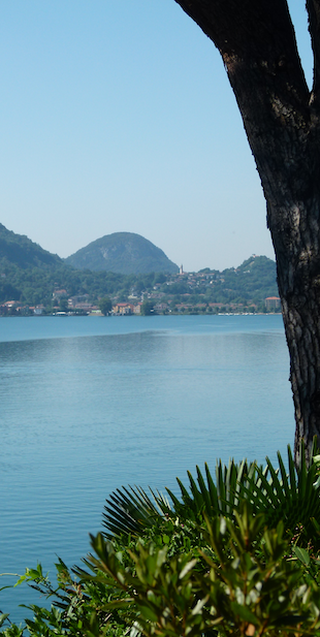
point(131, 510)
point(292, 496)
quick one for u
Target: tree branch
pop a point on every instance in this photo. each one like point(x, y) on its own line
point(254, 32)
point(257, 42)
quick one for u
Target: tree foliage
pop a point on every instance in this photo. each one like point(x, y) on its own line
point(147, 307)
point(105, 305)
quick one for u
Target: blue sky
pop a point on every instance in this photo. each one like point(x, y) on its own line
point(118, 116)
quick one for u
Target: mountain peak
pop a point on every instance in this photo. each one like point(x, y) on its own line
point(124, 253)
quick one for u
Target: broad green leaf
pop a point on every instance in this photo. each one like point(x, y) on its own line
point(302, 555)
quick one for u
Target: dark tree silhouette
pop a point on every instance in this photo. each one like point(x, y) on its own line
point(105, 305)
point(281, 117)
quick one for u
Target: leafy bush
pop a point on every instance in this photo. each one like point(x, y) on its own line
point(238, 555)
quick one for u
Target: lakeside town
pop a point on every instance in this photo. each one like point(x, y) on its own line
point(204, 292)
point(125, 274)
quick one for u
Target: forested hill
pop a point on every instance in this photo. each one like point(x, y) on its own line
point(24, 253)
point(123, 252)
point(256, 276)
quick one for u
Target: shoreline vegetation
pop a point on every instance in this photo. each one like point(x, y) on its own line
point(98, 313)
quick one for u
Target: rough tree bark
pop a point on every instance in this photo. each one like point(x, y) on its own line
point(281, 117)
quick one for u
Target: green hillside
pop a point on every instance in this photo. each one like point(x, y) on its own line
point(27, 272)
point(254, 278)
point(17, 249)
point(30, 275)
point(122, 252)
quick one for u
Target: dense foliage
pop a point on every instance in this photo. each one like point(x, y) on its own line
point(36, 285)
point(238, 555)
point(105, 305)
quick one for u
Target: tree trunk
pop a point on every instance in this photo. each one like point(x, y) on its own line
point(282, 122)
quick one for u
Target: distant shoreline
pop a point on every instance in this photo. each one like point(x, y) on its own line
point(100, 315)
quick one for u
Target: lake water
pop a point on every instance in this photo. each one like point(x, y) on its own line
point(90, 404)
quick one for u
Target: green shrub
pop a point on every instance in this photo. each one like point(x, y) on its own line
point(238, 555)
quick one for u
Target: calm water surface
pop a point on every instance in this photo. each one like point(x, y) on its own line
point(90, 404)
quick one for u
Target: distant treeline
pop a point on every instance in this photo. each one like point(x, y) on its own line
point(252, 282)
point(37, 285)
